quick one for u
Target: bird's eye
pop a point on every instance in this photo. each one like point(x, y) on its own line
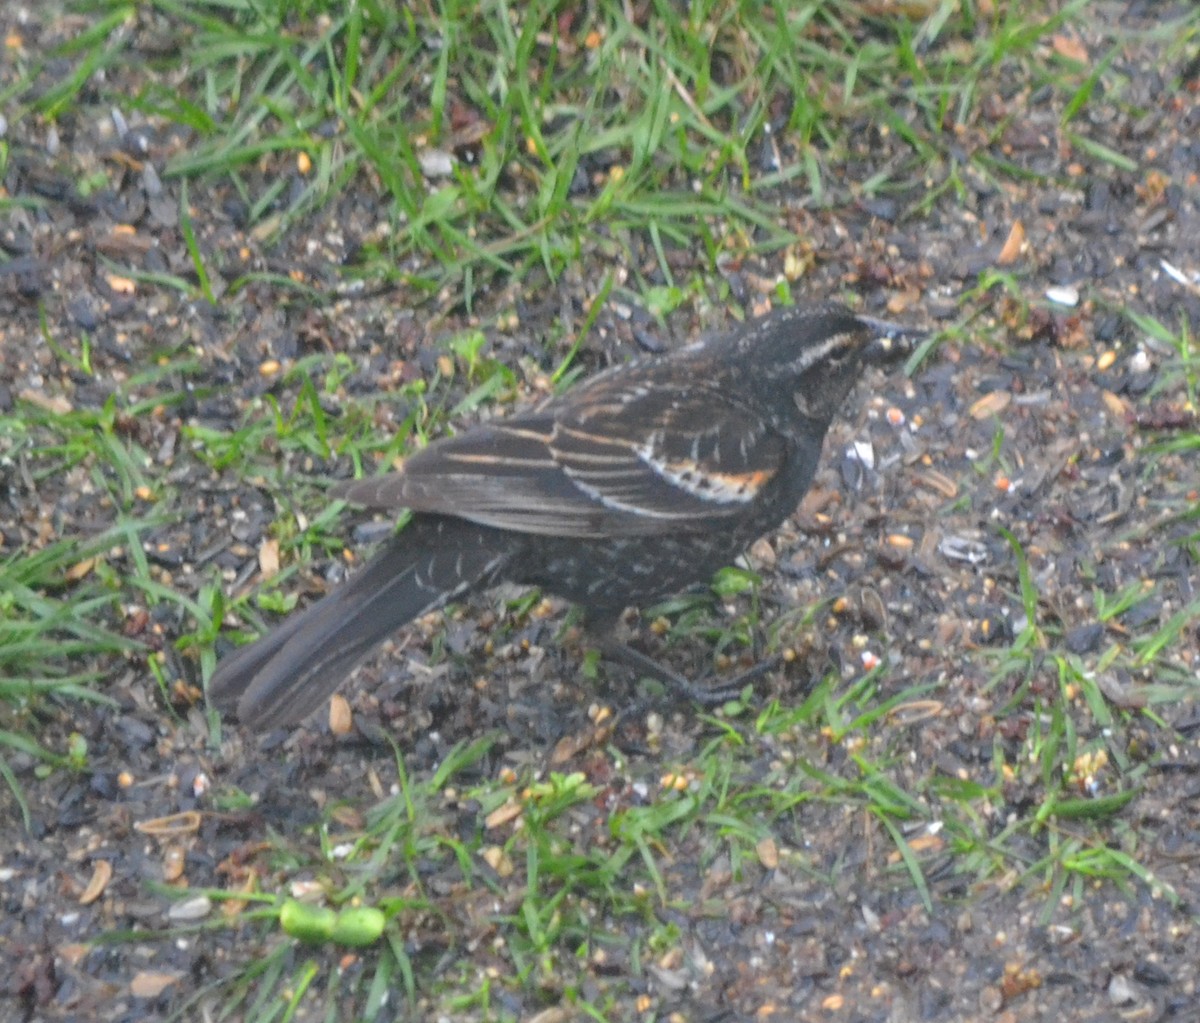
point(837, 361)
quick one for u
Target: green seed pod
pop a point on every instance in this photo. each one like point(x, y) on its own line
point(313, 924)
point(358, 927)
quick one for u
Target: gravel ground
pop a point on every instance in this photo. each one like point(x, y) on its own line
point(1049, 424)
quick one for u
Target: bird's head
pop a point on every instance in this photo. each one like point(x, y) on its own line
point(813, 355)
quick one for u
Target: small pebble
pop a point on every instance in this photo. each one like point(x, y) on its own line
point(436, 163)
point(1120, 991)
point(190, 909)
point(1063, 295)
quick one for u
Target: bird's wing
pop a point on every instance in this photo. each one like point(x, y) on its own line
point(630, 459)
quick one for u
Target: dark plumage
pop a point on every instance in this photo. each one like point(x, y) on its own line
point(628, 488)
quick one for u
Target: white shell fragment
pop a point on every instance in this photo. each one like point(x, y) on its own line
point(436, 163)
point(862, 451)
point(1063, 295)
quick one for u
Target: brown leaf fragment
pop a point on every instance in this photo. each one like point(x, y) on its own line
point(1070, 47)
point(1117, 407)
point(927, 844)
point(73, 954)
point(53, 403)
point(148, 984)
point(570, 746)
point(102, 873)
point(268, 558)
point(185, 823)
point(937, 482)
point(174, 863)
point(341, 719)
point(232, 907)
point(503, 814)
point(80, 569)
point(1013, 246)
point(990, 404)
point(768, 853)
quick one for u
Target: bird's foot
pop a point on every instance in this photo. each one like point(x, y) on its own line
point(696, 692)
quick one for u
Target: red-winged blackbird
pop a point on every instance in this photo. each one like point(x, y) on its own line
point(636, 484)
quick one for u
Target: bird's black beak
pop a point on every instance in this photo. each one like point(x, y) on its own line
point(892, 341)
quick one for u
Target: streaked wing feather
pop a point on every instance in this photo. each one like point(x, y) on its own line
point(644, 461)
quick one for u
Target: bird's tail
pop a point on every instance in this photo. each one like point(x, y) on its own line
point(288, 673)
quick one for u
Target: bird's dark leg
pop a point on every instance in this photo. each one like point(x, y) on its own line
point(603, 633)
